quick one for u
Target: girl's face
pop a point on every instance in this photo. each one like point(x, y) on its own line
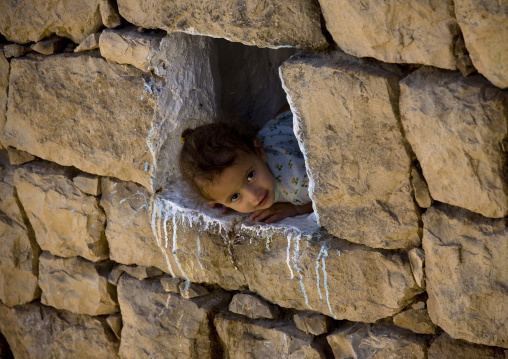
point(247, 185)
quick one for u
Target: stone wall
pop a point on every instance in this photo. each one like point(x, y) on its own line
point(401, 111)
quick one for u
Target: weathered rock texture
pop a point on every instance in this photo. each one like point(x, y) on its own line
point(359, 166)
point(252, 306)
point(358, 340)
point(36, 331)
point(446, 347)
point(76, 285)
point(466, 261)
point(244, 338)
point(27, 20)
point(19, 252)
point(4, 84)
point(456, 127)
point(158, 324)
point(66, 221)
point(273, 23)
point(485, 28)
point(420, 32)
point(416, 319)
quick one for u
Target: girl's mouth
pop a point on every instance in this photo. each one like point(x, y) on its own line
point(263, 201)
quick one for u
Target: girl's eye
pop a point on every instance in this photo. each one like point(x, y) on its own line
point(234, 197)
point(250, 176)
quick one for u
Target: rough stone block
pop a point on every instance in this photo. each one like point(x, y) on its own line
point(415, 319)
point(109, 119)
point(420, 188)
point(466, 258)
point(128, 46)
point(139, 272)
point(27, 20)
point(191, 290)
point(417, 260)
point(4, 85)
point(246, 338)
point(19, 252)
point(157, 324)
point(35, 331)
point(171, 284)
point(273, 23)
point(90, 43)
point(50, 46)
point(415, 32)
point(15, 50)
point(456, 127)
point(348, 128)
point(115, 323)
point(446, 347)
point(366, 341)
point(76, 285)
point(109, 13)
point(66, 221)
point(88, 183)
point(253, 307)
point(484, 25)
point(313, 323)
point(17, 157)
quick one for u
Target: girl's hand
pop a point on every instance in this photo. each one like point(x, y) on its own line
point(215, 205)
point(280, 211)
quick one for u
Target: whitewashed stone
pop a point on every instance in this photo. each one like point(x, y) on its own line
point(484, 25)
point(466, 258)
point(35, 331)
point(348, 129)
point(415, 319)
point(27, 20)
point(76, 285)
point(66, 221)
point(15, 50)
point(312, 323)
point(446, 347)
point(88, 183)
point(273, 23)
point(109, 13)
point(19, 252)
point(252, 306)
point(246, 338)
point(128, 46)
point(420, 188)
point(414, 32)
point(90, 43)
point(456, 126)
point(372, 341)
point(157, 324)
point(50, 46)
point(4, 84)
point(17, 157)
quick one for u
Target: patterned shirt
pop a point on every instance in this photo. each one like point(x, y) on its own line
point(285, 160)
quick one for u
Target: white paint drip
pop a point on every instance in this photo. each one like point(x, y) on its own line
point(316, 268)
point(156, 211)
point(325, 279)
point(198, 243)
point(298, 269)
point(287, 257)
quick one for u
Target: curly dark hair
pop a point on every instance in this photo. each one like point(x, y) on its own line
point(209, 149)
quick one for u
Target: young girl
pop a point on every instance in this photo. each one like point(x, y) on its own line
point(232, 165)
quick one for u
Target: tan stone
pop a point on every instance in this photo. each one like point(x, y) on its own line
point(373, 341)
point(49, 46)
point(420, 188)
point(109, 13)
point(359, 168)
point(115, 323)
point(416, 320)
point(128, 46)
point(246, 338)
point(157, 324)
point(76, 285)
point(190, 290)
point(15, 50)
point(253, 307)
point(394, 31)
point(484, 25)
point(465, 264)
point(153, 232)
point(17, 157)
point(66, 221)
point(35, 331)
point(446, 347)
point(171, 284)
point(88, 183)
point(4, 84)
point(140, 272)
point(313, 323)
point(417, 260)
point(269, 24)
point(19, 252)
point(90, 43)
point(456, 126)
point(27, 20)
